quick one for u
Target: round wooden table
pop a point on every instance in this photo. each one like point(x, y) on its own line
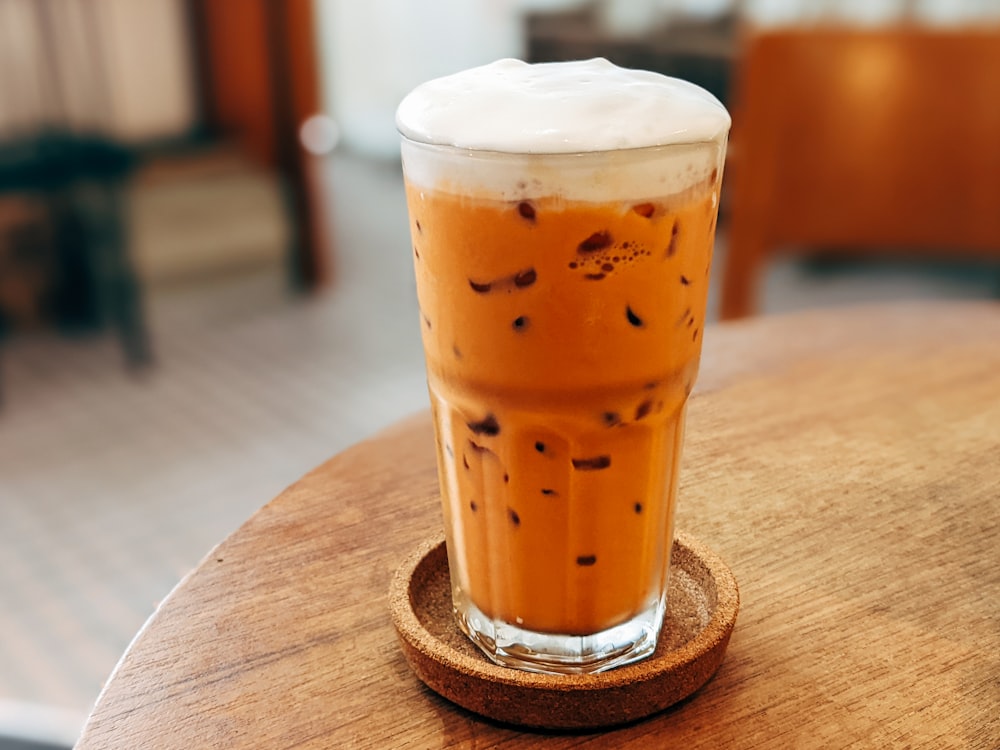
point(844, 463)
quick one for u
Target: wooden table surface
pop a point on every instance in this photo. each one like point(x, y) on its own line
point(845, 464)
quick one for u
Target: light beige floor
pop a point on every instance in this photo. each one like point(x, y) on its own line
point(112, 487)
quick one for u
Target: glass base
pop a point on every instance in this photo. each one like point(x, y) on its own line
point(549, 653)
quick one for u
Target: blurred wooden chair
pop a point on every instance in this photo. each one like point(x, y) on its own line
point(862, 142)
point(57, 157)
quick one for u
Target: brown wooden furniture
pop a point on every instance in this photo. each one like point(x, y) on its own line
point(865, 142)
point(258, 78)
point(845, 464)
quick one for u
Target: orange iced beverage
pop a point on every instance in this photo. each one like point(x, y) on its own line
point(562, 298)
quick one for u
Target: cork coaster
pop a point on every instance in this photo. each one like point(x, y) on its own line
point(703, 601)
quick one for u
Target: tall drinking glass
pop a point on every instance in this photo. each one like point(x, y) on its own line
point(562, 269)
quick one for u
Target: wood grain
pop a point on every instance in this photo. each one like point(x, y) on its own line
point(846, 466)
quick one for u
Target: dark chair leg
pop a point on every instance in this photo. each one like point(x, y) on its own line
point(118, 286)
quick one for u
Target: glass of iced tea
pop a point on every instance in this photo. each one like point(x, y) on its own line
point(562, 218)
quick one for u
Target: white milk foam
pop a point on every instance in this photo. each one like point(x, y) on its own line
point(518, 130)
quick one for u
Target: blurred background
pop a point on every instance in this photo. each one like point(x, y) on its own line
point(205, 281)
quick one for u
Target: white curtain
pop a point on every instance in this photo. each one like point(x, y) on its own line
point(119, 67)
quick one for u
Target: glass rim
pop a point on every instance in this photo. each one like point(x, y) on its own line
point(721, 138)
